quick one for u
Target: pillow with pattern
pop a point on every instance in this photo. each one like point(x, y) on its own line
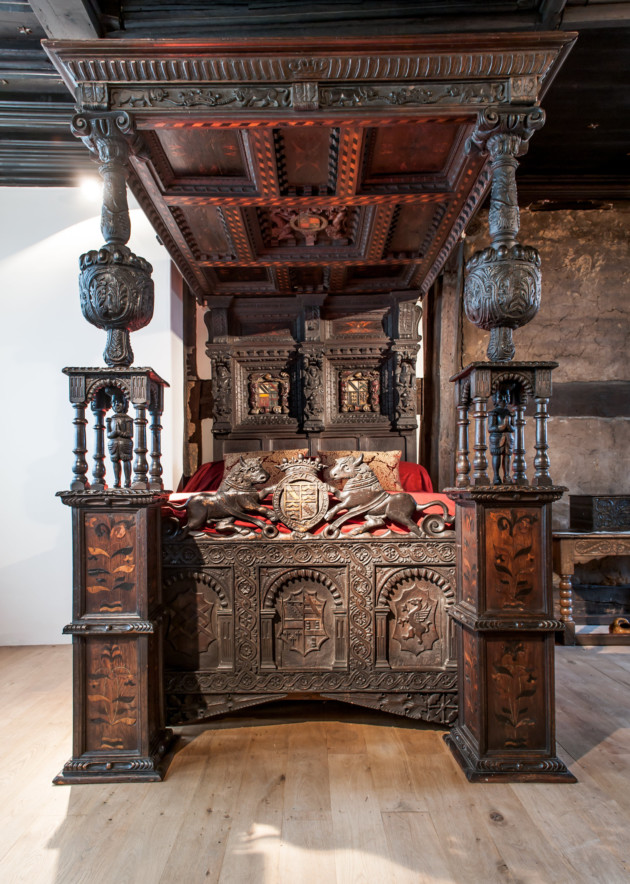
point(270, 461)
point(384, 465)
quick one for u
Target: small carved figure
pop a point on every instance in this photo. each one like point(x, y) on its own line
point(363, 495)
point(235, 499)
point(405, 378)
point(313, 390)
point(501, 431)
point(221, 388)
point(120, 435)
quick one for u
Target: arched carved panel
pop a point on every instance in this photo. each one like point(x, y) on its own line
point(199, 626)
point(413, 630)
point(303, 623)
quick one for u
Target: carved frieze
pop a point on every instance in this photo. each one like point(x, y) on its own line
point(415, 94)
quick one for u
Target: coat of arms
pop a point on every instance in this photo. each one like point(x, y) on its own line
point(302, 615)
point(414, 628)
point(300, 500)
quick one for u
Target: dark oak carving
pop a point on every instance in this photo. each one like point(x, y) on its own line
point(502, 290)
point(363, 496)
point(236, 499)
point(506, 632)
point(307, 619)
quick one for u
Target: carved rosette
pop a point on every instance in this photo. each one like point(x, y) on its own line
point(502, 289)
point(116, 292)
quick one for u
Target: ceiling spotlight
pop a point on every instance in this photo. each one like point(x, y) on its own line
point(92, 189)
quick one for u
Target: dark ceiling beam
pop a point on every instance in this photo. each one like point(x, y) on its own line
point(67, 19)
point(597, 15)
point(551, 12)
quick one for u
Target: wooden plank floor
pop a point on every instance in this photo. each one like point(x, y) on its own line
point(315, 794)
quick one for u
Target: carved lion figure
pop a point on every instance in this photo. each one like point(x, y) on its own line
point(236, 499)
point(363, 495)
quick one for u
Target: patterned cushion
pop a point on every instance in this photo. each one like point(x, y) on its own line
point(269, 460)
point(384, 465)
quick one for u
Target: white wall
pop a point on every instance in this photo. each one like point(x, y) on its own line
point(44, 230)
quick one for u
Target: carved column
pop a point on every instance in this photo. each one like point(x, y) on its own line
point(504, 609)
point(119, 733)
point(115, 285)
point(502, 290)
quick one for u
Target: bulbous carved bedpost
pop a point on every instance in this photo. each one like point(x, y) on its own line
point(502, 289)
point(116, 286)
point(119, 732)
point(504, 610)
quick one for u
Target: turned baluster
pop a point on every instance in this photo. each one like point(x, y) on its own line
point(480, 462)
point(519, 465)
point(140, 465)
point(80, 468)
point(155, 472)
point(566, 600)
point(541, 460)
point(462, 466)
point(98, 471)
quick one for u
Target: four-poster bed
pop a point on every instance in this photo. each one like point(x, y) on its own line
point(308, 194)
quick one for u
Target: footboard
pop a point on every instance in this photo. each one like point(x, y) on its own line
point(359, 620)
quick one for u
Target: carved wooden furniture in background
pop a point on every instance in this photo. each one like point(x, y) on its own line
point(573, 547)
point(598, 512)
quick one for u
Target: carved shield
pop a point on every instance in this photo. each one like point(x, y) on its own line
point(300, 500)
point(302, 615)
point(415, 628)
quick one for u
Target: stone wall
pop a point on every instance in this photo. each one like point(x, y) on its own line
point(584, 324)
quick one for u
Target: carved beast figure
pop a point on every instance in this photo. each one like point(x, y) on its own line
point(235, 499)
point(363, 495)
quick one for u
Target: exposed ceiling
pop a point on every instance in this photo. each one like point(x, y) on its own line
point(581, 153)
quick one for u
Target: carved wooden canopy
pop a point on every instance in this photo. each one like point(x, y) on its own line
point(274, 167)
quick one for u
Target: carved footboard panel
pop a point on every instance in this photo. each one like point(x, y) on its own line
point(360, 620)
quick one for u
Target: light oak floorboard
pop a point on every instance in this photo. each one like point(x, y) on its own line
point(340, 796)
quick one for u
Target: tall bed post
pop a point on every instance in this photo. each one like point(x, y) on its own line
point(118, 733)
point(504, 609)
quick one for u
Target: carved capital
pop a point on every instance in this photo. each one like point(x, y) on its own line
point(501, 132)
point(108, 134)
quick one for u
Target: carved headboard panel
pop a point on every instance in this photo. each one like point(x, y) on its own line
point(314, 373)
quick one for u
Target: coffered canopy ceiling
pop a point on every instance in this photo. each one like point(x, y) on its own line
point(270, 168)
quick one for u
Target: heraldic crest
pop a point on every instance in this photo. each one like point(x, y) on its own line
point(300, 499)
